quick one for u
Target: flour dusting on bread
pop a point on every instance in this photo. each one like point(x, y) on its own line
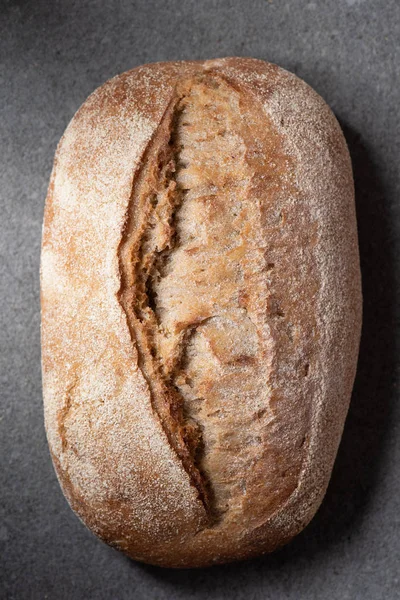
point(201, 309)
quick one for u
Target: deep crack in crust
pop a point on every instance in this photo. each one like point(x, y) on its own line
point(227, 273)
point(149, 238)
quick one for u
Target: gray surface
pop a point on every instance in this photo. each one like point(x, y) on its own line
point(52, 55)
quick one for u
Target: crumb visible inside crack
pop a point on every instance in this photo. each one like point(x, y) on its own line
point(191, 250)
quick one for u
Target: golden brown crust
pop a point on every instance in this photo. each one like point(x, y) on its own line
point(201, 317)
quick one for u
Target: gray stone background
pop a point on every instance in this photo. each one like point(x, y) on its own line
point(52, 55)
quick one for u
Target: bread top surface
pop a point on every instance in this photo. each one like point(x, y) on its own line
point(201, 308)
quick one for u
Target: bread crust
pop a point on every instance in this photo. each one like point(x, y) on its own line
point(126, 464)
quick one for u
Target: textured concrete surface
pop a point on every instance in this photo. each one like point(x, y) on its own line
point(52, 55)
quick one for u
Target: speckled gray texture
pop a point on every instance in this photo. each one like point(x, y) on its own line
point(52, 55)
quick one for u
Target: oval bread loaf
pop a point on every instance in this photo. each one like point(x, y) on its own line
point(201, 309)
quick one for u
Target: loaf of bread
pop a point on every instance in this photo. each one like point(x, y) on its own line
point(201, 309)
